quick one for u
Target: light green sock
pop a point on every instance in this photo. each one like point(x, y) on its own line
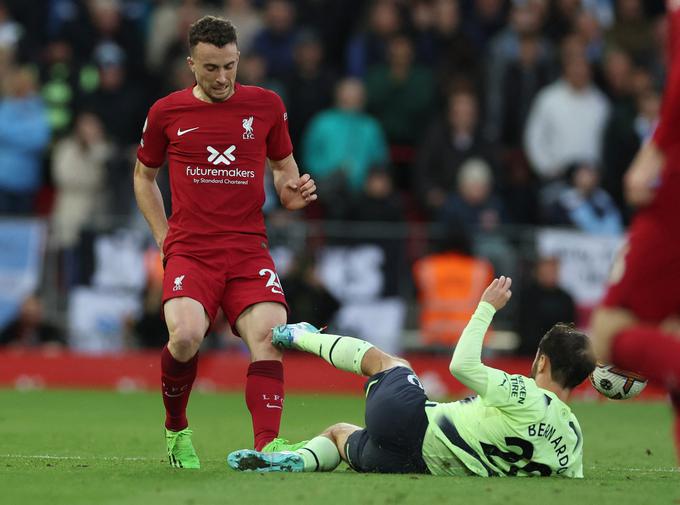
point(344, 353)
point(320, 455)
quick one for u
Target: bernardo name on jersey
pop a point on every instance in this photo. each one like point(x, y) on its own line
point(512, 427)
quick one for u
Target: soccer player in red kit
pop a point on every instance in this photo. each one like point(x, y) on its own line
point(636, 328)
point(217, 136)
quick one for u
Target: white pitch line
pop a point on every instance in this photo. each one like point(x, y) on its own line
point(660, 470)
point(76, 458)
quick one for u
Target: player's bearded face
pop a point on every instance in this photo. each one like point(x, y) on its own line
point(215, 70)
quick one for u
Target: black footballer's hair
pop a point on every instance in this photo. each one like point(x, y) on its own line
point(212, 30)
point(571, 356)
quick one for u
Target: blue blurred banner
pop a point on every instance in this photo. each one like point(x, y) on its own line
point(22, 251)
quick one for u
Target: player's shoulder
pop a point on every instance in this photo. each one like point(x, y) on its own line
point(171, 100)
point(249, 92)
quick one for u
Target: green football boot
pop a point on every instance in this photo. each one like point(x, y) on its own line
point(281, 444)
point(181, 451)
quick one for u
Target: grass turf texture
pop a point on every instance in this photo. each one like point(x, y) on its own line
point(84, 447)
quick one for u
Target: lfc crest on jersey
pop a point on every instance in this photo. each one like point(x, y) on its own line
point(248, 133)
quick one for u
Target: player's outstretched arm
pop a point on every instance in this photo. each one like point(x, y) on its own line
point(295, 191)
point(466, 364)
point(150, 201)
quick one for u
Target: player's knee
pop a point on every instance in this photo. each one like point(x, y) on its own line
point(605, 324)
point(389, 362)
point(186, 338)
point(402, 362)
point(339, 429)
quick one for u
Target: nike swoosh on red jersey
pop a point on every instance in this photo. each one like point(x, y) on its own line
point(181, 132)
point(271, 406)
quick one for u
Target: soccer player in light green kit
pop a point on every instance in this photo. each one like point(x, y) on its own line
point(516, 425)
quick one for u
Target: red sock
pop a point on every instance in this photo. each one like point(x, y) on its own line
point(176, 380)
point(264, 397)
point(651, 352)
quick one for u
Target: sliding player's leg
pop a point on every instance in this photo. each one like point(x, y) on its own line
point(322, 453)
point(345, 353)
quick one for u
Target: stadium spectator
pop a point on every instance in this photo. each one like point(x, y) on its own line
point(79, 175)
point(379, 201)
point(341, 145)
point(307, 294)
point(449, 281)
point(60, 85)
point(118, 99)
point(368, 47)
point(149, 329)
point(525, 19)
point(474, 204)
point(246, 18)
point(483, 20)
point(168, 44)
point(566, 120)
point(585, 205)
point(588, 28)
point(102, 23)
point(276, 41)
point(476, 207)
point(400, 94)
point(624, 134)
point(309, 83)
point(521, 81)
point(441, 42)
point(24, 135)
point(632, 30)
point(561, 18)
point(542, 302)
point(167, 29)
point(448, 142)
point(252, 70)
point(617, 82)
point(30, 329)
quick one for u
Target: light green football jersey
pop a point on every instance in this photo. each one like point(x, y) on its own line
point(514, 428)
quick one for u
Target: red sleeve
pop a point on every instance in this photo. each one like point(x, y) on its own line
point(666, 134)
point(154, 143)
point(279, 145)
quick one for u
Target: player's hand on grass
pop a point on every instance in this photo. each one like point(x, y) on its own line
point(498, 293)
point(298, 194)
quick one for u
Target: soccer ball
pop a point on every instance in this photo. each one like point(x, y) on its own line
point(616, 383)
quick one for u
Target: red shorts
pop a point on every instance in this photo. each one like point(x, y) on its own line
point(235, 275)
point(645, 279)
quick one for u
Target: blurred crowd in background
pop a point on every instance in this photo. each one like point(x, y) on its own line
point(474, 115)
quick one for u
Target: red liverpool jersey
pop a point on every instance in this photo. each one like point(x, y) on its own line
point(216, 156)
point(666, 136)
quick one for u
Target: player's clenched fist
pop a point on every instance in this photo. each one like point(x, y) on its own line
point(498, 293)
point(298, 194)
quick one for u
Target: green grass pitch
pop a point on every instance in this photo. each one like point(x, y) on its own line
point(87, 447)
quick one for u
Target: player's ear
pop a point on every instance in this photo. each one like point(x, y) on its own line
point(190, 62)
point(542, 363)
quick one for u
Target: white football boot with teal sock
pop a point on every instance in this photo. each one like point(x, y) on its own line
point(344, 353)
